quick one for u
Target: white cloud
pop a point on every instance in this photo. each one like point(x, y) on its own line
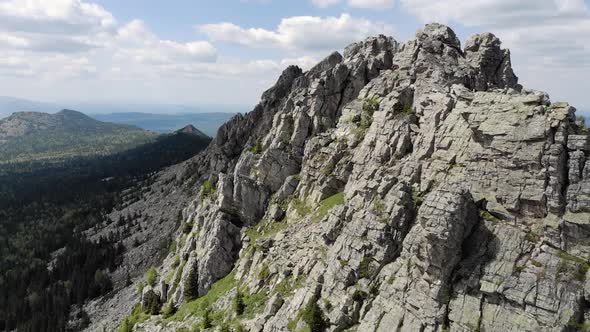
point(545, 36)
point(324, 3)
point(371, 4)
point(554, 32)
point(498, 13)
point(366, 4)
point(136, 41)
point(304, 62)
point(63, 26)
point(70, 38)
point(74, 48)
point(308, 33)
point(55, 16)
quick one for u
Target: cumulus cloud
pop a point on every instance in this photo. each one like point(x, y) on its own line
point(135, 40)
point(56, 16)
point(308, 33)
point(371, 4)
point(304, 62)
point(545, 36)
point(53, 26)
point(72, 38)
point(324, 3)
point(78, 47)
point(498, 13)
point(540, 28)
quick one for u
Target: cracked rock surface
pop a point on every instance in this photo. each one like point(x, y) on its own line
point(400, 187)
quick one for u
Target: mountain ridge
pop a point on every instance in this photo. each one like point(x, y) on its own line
point(34, 135)
point(398, 186)
point(191, 130)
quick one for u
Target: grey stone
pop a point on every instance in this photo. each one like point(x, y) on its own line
point(418, 188)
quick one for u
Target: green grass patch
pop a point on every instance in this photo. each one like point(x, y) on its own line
point(176, 261)
point(292, 325)
point(173, 247)
point(179, 274)
point(254, 304)
point(183, 240)
point(151, 276)
point(487, 216)
point(257, 147)
point(577, 266)
point(582, 125)
point(140, 287)
point(359, 133)
point(391, 280)
point(207, 189)
point(532, 237)
point(169, 309)
point(365, 268)
point(328, 204)
point(408, 107)
point(264, 272)
point(417, 197)
point(200, 305)
point(329, 169)
point(371, 105)
point(581, 327)
point(288, 285)
point(137, 316)
point(269, 229)
point(378, 205)
point(300, 207)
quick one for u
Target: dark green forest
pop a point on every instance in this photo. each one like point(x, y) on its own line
point(46, 207)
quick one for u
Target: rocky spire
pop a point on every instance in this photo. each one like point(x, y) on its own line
point(491, 64)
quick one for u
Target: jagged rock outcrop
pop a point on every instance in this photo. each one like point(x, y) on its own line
point(396, 187)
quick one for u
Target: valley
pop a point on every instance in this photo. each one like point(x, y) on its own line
point(49, 263)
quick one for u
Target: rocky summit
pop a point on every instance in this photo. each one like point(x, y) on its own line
point(395, 187)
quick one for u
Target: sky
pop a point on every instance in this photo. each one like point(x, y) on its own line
point(223, 52)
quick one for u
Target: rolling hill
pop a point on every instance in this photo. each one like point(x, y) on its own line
point(33, 136)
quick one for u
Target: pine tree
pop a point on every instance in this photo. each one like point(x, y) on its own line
point(312, 315)
point(191, 289)
point(169, 310)
point(206, 322)
point(239, 305)
point(125, 326)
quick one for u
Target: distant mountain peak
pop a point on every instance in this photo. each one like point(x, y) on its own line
point(70, 112)
point(65, 133)
point(191, 130)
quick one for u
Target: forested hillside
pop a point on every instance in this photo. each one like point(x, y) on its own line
point(48, 265)
point(31, 136)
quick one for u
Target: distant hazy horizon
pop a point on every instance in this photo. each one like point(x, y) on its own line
point(9, 105)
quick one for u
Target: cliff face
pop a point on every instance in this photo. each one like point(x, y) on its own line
point(396, 187)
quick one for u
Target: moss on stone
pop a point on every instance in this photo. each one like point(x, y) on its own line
point(328, 204)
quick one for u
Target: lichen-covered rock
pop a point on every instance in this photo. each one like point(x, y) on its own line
point(396, 187)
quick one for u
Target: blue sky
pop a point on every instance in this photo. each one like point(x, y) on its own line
point(227, 52)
